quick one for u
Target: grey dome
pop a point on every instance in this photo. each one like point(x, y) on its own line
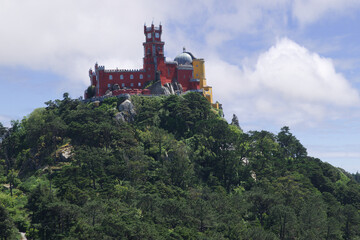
point(183, 59)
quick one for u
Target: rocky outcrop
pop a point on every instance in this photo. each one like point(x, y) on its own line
point(108, 93)
point(115, 87)
point(158, 89)
point(126, 112)
point(168, 88)
point(177, 87)
point(64, 153)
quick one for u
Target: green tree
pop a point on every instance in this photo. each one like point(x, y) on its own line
point(292, 148)
point(313, 219)
point(7, 227)
point(351, 222)
point(284, 222)
point(12, 180)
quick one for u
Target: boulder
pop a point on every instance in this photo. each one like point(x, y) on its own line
point(115, 87)
point(177, 87)
point(108, 93)
point(158, 89)
point(127, 96)
point(64, 153)
point(169, 87)
point(96, 103)
point(127, 111)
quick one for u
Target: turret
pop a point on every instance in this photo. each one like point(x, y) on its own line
point(153, 34)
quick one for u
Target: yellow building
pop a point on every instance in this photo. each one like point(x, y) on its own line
point(198, 66)
point(199, 73)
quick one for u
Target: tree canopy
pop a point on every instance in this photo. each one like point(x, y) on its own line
point(73, 170)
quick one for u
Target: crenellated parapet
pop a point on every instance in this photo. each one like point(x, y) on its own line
point(124, 70)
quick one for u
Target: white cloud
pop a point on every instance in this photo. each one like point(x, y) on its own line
point(308, 11)
point(67, 37)
point(288, 85)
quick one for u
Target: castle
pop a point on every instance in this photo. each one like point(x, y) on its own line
point(158, 76)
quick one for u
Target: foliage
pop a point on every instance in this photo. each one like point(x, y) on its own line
point(178, 171)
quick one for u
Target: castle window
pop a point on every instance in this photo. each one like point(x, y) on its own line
point(121, 76)
point(123, 85)
point(131, 84)
point(139, 84)
point(109, 85)
point(110, 77)
point(141, 76)
point(131, 76)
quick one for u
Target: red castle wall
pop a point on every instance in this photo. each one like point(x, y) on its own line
point(133, 81)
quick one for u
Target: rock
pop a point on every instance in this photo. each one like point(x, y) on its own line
point(177, 87)
point(108, 93)
point(120, 117)
point(253, 174)
point(158, 89)
point(127, 96)
point(97, 103)
point(127, 111)
point(64, 153)
point(169, 87)
point(115, 87)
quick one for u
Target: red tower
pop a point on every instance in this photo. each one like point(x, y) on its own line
point(153, 50)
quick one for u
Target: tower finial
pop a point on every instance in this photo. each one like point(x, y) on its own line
point(184, 49)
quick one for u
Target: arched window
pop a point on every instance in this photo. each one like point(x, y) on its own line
point(141, 76)
point(131, 76)
point(139, 84)
point(131, 84)
point(110, 77)
point(123, 85)
point(121, 77)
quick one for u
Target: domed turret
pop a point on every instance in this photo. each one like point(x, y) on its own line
point(184, 58)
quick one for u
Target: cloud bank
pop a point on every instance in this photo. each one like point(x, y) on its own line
point(288, 85)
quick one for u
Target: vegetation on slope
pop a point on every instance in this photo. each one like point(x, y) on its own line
point(178, 171)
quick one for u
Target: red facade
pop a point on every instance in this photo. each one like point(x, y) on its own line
point(155, 67)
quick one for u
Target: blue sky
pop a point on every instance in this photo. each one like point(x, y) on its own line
point(272, 63)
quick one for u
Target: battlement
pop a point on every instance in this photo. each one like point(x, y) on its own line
point(123, 70)
point(152, 28)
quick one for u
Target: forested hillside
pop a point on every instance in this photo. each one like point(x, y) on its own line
point(173, 170)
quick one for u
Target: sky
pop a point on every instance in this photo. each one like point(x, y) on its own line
point(272, 63)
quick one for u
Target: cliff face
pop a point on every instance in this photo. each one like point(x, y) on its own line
point(165, 167)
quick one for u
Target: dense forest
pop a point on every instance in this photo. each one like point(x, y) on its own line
point(172, 169)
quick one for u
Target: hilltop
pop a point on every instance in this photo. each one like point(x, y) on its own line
point(166, 167)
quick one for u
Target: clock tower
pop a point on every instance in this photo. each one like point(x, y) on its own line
point(153, 51)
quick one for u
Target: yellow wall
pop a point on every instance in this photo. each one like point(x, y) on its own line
point(199, 73)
